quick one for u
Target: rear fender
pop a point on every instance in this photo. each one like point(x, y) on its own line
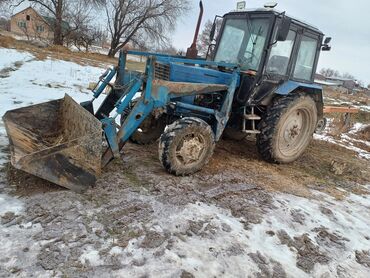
point(314, 90)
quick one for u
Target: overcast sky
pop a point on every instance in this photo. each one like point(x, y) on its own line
point(347, 22)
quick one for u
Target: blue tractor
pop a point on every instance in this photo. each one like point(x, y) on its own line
point(257, 78)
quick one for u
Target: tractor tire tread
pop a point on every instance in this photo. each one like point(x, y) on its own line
point(279, 106)
point(170, 134)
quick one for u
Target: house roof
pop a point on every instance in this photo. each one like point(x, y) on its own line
point(319, 76)
point(340, 78)
point(51, 22)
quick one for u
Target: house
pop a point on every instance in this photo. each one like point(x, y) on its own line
point(31, 24)
point(347, 84)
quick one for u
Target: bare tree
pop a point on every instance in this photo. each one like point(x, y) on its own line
point(347, 75)
point(5, 10)
point(59, 10)
point(167, 49)
point(328, 72)
point(4, 2)
point(85, 37)
point(204, 41)
point(130, 21)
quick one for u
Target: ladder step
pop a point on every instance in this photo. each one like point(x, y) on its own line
point(251, 131)
point(252, 117)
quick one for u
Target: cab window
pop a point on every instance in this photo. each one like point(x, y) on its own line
point(242, 42)
point(305, 59)
point(280, 55)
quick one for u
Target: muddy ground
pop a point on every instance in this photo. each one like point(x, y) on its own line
point(81, 235)
point(238, 217)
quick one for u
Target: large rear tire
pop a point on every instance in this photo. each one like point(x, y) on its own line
point(186, 146)
point(287, 128)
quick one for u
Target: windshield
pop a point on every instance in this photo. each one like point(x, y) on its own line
point(242, 42)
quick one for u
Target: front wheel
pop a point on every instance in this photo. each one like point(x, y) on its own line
point(186, 146)
point(287, 128)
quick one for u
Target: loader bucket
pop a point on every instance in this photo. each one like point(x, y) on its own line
point(58, 141)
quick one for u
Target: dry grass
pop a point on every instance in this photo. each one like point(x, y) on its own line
point(358, 98)
point(63, 53)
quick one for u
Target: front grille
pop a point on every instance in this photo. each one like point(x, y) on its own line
point(162, 71)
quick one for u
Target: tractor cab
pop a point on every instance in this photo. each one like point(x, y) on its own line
point(270, 48)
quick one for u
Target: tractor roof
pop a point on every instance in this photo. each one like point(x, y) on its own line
point(276, 13)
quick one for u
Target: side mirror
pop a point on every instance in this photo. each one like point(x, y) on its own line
point(327, 40)
point(325, 46)
point(212, 33)
point(283, 30)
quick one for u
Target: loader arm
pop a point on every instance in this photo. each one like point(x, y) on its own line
point(158, 94)
point(60, 141)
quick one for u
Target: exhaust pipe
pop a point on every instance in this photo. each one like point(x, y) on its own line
point(192, 51)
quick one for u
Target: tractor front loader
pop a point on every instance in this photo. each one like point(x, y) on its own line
point(61, 141)
point(257, 78)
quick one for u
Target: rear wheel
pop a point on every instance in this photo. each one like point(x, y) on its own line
point(186, 146)
point(149, 130)
point(287, 128)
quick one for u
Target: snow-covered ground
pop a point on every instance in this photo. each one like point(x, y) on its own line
point(338, 102)
point(345, 140)
point(31, 81)
point(297, 237)
point(38, 81)
point(11, 56)
point(222, 247)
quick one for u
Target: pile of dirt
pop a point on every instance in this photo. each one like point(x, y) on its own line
point(25, 184)
point(363, 257)
point(364, 133)
point(308, 253)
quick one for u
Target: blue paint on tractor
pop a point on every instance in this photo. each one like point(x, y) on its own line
point(289, 86)
point(188, 75)
point(184, 73)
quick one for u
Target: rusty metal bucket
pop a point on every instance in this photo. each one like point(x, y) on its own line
point(58, 141)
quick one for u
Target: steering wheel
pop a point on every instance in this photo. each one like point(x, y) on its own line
point(249, 59)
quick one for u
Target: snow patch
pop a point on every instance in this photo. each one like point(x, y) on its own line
point(10, 204)
point(344, 140)
point(222, 244)
point(91, 257)
point(10, 56)
point(357, 127)
point(16, 240)
point(40, 81)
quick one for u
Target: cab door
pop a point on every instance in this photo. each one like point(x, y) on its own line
point(277, 66)
point(305, 63)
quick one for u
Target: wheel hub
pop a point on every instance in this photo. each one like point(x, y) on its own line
point(293, 127)
point(191, 149)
